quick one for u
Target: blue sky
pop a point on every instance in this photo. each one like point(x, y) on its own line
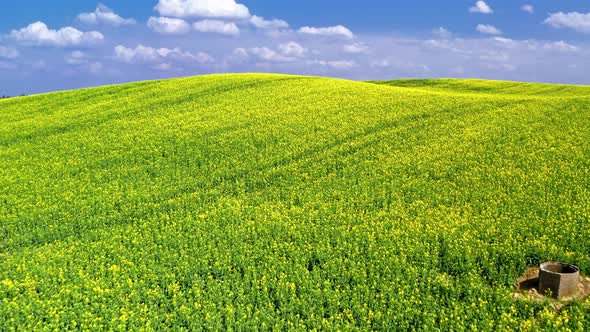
point(65, 44)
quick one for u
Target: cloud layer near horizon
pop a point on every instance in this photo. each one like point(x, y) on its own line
point(188, 37)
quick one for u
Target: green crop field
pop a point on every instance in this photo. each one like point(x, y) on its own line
point(273, 202)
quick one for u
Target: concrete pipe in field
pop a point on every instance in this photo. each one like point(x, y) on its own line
point(559, 278)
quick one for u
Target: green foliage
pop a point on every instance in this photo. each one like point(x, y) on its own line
point(494, 88)
point(271, 202)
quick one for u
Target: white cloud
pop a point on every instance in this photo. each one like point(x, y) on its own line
point(502, 67)
point(104, 15)
point(267, 54)
point(356, 48)
point(76, 58)
point(405, 65)
point(39, 34)
point(442, 33)
point(240, 52)
point(8, 52)
point(203, 57)
point(141, 54)
point(495, 57)
point(163, 66)
point(292, 49)
point(534, 45)
point(454, 46)
point(152, 56)
point(288, 52)
point(334, 64)
point(216, 26)
point(170, 26)
point(273, 24)
point(335, 31)
point(238, 56)
point(528, 8)
point(81, 61)
point(505, 41)
point(560, 46)
point(574, 20)
point(202, 8)
point(488, 29)
point(481, 7)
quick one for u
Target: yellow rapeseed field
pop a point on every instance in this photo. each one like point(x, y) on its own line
point(273, 202)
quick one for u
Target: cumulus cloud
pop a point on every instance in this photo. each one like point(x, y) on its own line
point(76, 58)
point(292, 49)
point(534, 45)
point(170, 26)
point(202, 8)
point(528, 8)
point(265, 54)
point(560, 46)
point(356, 48)
point(104, 15)
point(8, 52)
point(238, 56)
point(481, 7)
point(493, 58)
point(81, 61)
point(288, 52)
point(39, 34)
point(501, 66)
point(574, 20)
point(488, 29)
point(216, 26)
point(334, 64)
point(158, 56)
point(141, 54)
point(405, 65)
point(442, 33)
point(262, 23)
point(334, 31)
point(451, 45)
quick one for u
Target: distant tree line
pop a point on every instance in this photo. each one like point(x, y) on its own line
point(6, 97)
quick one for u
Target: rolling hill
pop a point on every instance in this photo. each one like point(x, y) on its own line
point(275, 202)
